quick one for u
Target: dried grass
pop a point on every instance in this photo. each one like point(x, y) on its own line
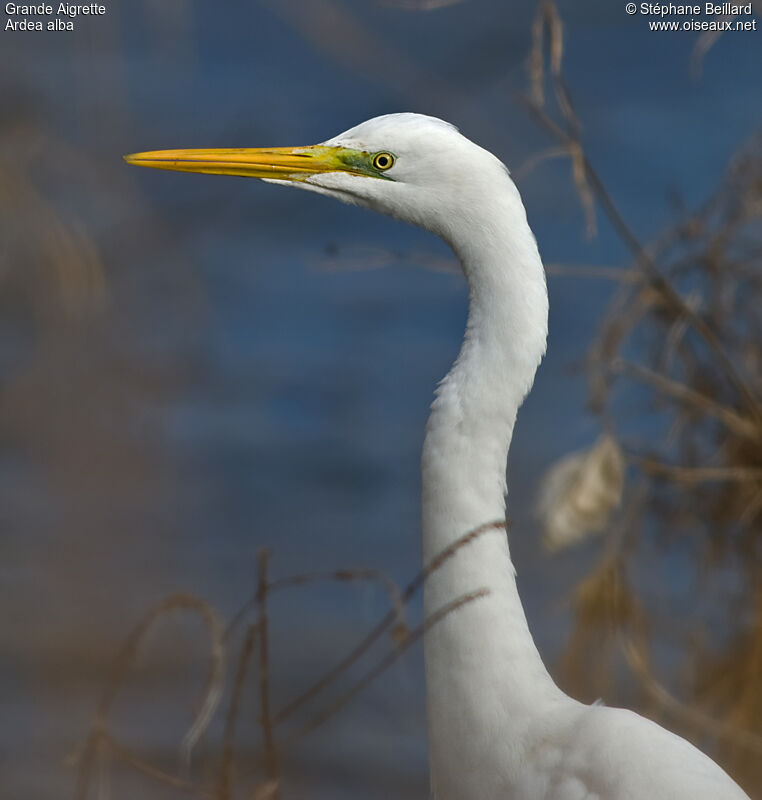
point(261, 776)
point(684, 333)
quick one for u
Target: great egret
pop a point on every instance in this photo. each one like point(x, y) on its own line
point(499, 727)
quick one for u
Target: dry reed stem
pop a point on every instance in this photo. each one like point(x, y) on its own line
point(350, 575)
point(101, 745)
point(686, 394)
point(524, 170)
point(604, 605)
point(385, 624)
point(140, 765)
point(692, 475)
point(644, 260)
point(549, 20)
point(638, 663)
point(266, 791)
point(384, 663)
point(224, 785)
point(125, 658)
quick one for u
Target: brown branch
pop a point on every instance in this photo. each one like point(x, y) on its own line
point(679, 391)
point(673, 298)
point(549, 19)
point(385, 662)
point(582, 183)
point(348, 576)
point(450, 551)
point(690, 716)
point(126, 755)
point(644, 260)
point(384, 625)
point(534, 161)
point(123, 661)
point(692, 475)
point(224, 789)
point(340, 576)
point(753, 507)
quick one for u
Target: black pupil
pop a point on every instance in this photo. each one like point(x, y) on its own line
point(382, 161)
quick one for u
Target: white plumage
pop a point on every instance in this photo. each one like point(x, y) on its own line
point(499, 727)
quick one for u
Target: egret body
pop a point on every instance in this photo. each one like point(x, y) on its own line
point(499, 727)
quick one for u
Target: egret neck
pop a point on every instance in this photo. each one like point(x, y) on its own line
point(485, 677)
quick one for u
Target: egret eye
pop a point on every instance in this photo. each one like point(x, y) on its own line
point(383, 161)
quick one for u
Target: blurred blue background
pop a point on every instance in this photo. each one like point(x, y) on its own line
point(194, 367)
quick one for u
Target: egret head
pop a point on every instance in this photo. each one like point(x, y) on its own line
point(410, 166)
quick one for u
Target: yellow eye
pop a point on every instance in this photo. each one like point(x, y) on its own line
point(383, 161)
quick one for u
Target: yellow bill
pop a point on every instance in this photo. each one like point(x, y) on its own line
point(283, 163)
